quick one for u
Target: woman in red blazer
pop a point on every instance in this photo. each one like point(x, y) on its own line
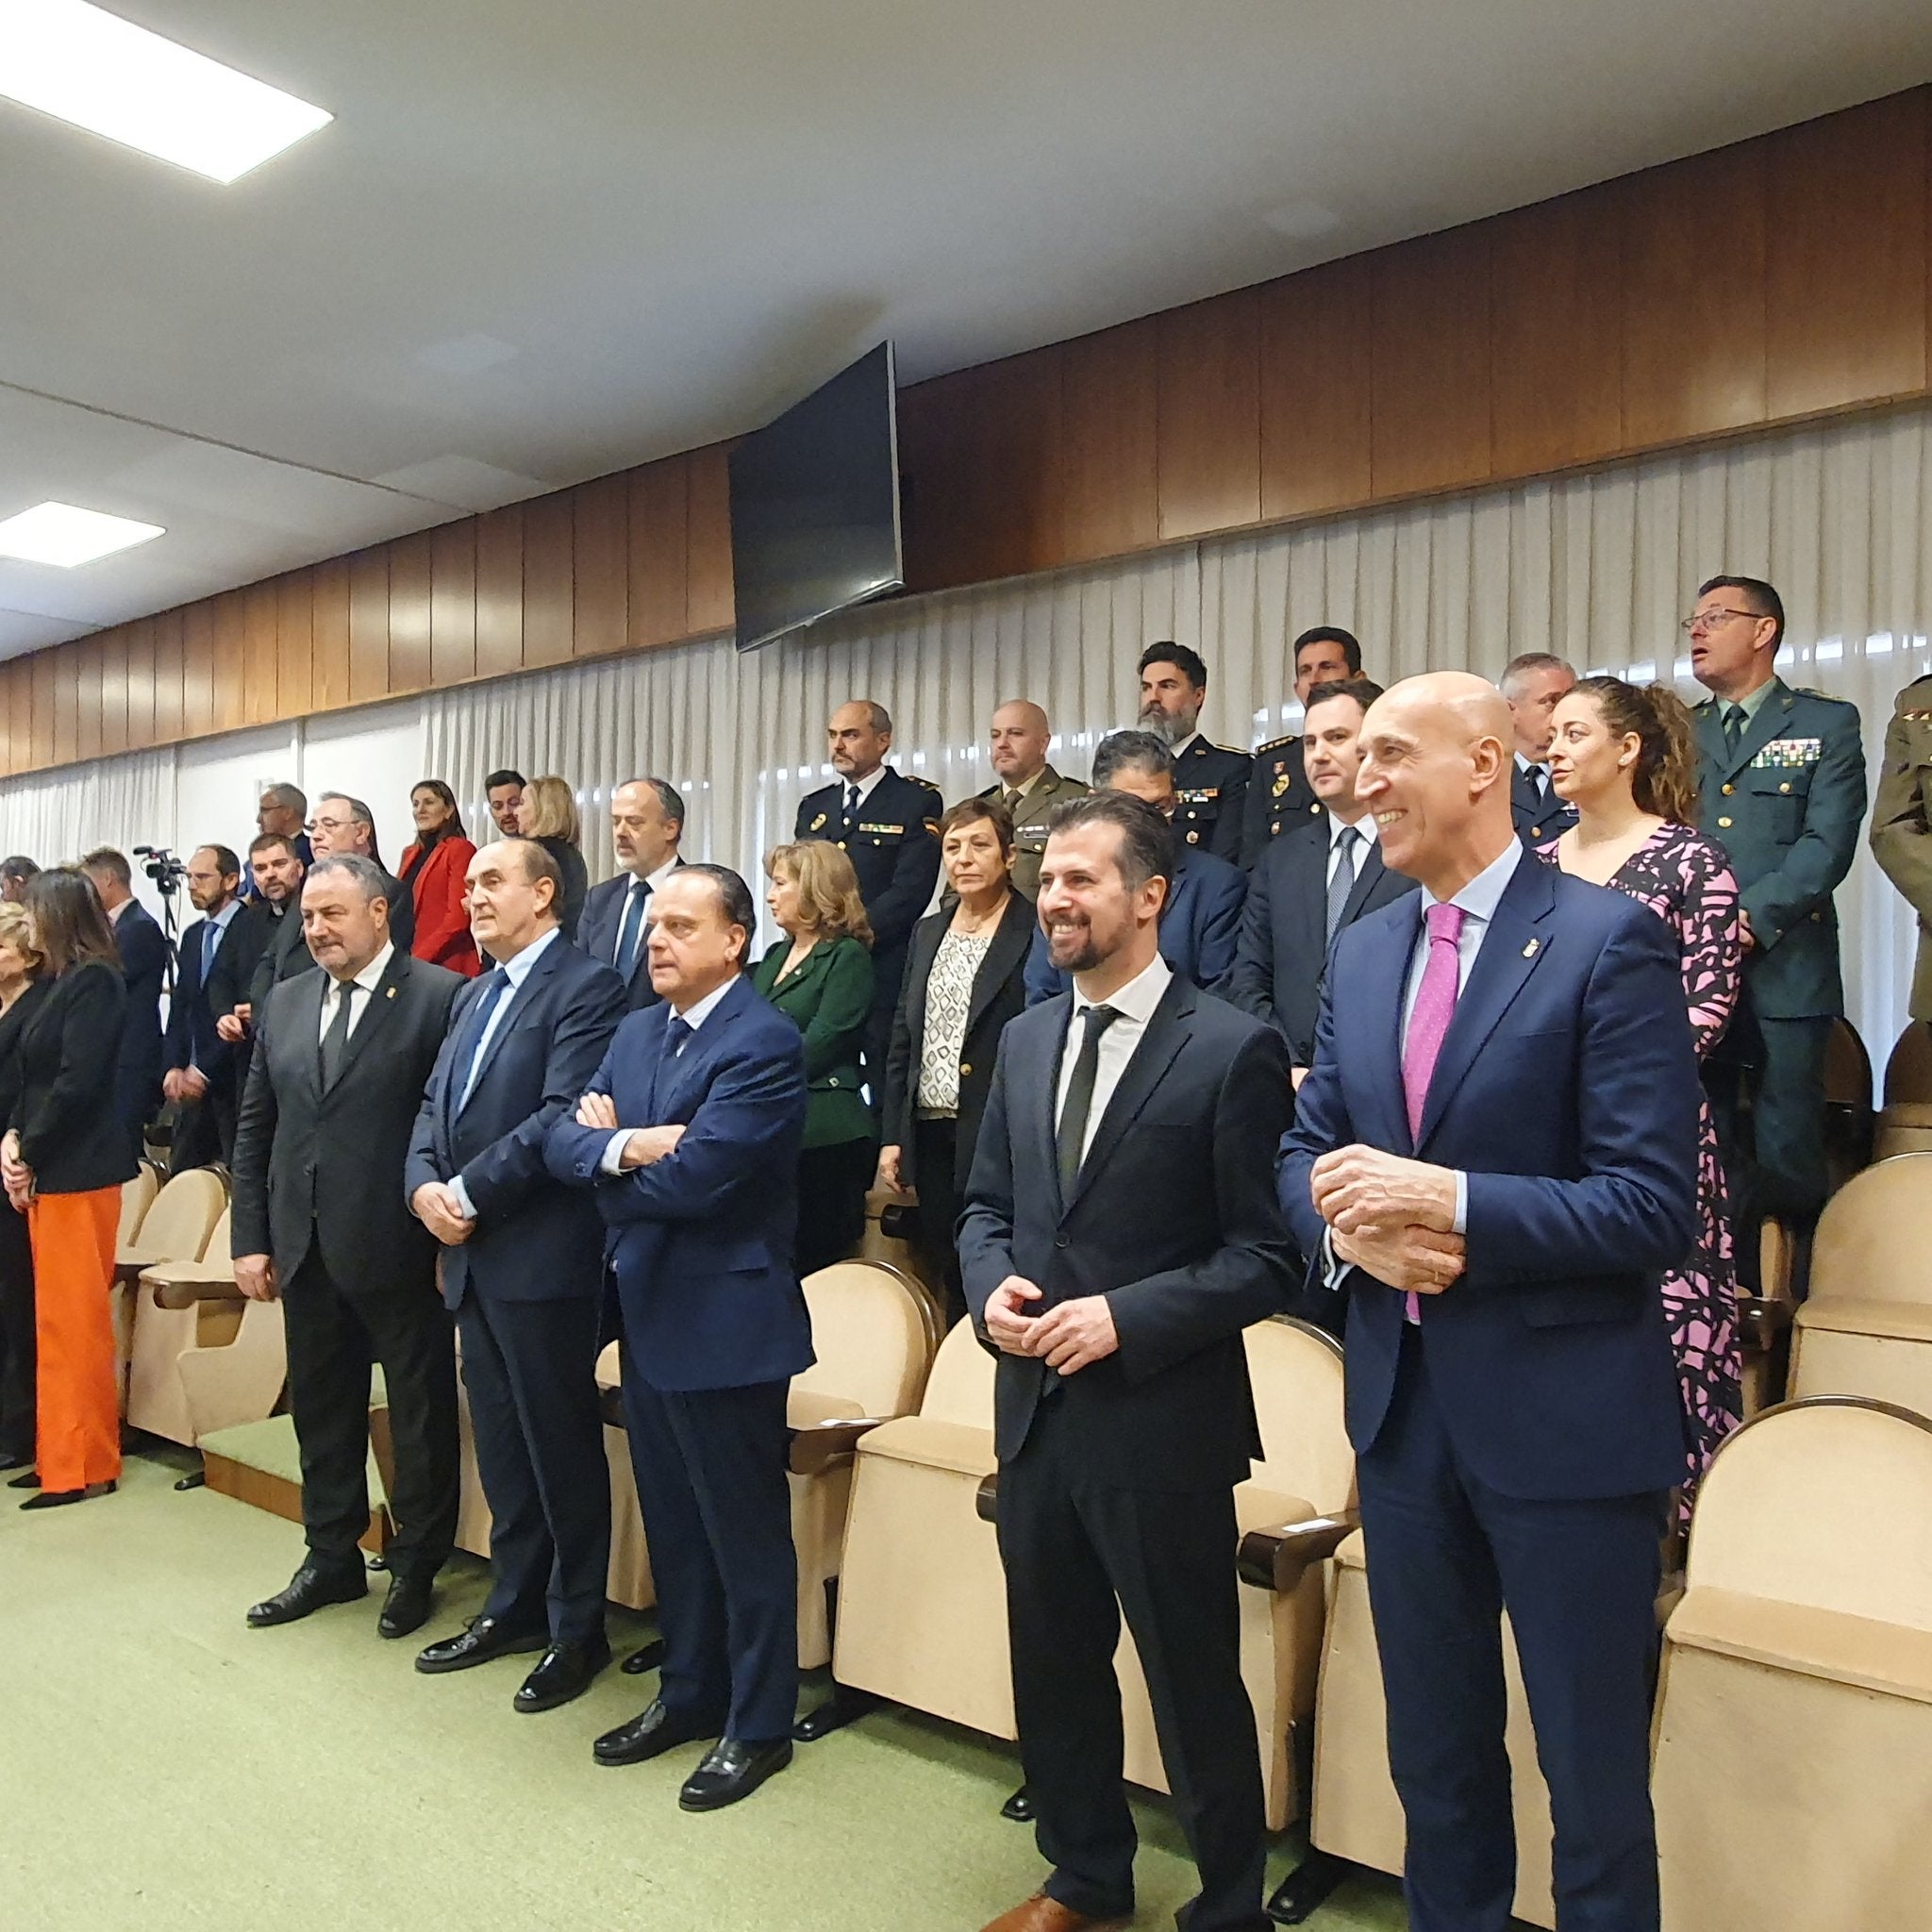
point(433, 869)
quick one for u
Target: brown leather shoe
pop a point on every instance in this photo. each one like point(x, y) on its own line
point(1043, 1914)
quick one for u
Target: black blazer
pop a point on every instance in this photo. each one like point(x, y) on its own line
point(12, 1022)
point(69, 1045)
point(999, 991)
point(144, 949)
point(1174, 1221)
point(316, 1169)
point(596, 935)
point(1282, 954)
point(1538, 820)
point(535, 1240)
point(195, 1008)
point(285, 953)
point(576, 883)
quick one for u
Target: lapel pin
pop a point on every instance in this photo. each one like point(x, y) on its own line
point(1530, 951)
point(391, 992)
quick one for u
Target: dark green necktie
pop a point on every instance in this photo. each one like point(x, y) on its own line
point(335, 1043)
point(1070, 1142)
point(1735, 721)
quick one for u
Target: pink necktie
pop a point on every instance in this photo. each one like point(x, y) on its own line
point(1435, 1007)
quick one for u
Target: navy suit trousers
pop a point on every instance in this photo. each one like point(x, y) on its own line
point(1447, 1556)
point(717, 1510)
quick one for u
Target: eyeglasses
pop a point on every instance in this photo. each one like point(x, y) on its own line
point(1710, 620)
point(326, 825)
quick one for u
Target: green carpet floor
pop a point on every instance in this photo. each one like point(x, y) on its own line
point(162, 1766)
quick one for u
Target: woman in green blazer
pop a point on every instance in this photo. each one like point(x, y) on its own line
point(820, 977)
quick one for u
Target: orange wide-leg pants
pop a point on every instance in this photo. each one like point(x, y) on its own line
point(79, 1428)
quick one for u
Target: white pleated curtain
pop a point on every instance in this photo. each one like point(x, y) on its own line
point(1598, 567)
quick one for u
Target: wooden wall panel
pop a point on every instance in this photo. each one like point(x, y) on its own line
point(170, 653)
point(549, 597)
point(1020, 484)
point(600, 548)
point(937, 476)
point(1695, 293)
point(17, 714)
point(368, 626)
point(87, 697)
point(328, 642)
point(707, 584)
point(409, 612)
point(1111, 398)
point(260, 611)
point(660, 552)
point(66, 689)
point(198, 670)
point(114, 691)
point(295, 644)
point(1429, 368)
point(500, 592)
point(1556, 342)
point(1314, 389)
point(46, 739)
point(141, 683)
point(231, 659)
point(1849, 236)
point(452, 603)
point(1207, 384)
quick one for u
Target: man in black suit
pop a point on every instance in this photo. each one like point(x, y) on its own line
point(646, 827)
point(889, 825)
point(1532, 685)
point(144, 949)
point(1211, 779)
point(1120, 1233)
point(212, 971)
point(342, 824)
point(1315, 881)
point(522, 1269)
point(278, 871)
point(341, 1060)
point(1279, 799)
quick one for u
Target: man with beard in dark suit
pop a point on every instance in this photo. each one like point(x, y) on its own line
point(646, 828)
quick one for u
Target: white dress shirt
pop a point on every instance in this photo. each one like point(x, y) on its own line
point(368, 980)
point(694, 1016)
point(514, 972)
point(1135, 1002)
point(1365, 825)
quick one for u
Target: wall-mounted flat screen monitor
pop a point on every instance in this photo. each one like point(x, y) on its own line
point(815, 506)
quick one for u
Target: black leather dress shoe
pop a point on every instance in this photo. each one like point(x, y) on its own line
point(406, 1609)
point(53, 1499)
point(564, 1672)
point(655, 1729)
point(732, 1770)
point(312, 1587)
point(31, 1480)
point(481, 1641)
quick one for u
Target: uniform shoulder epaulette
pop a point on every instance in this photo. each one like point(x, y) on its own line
point(1229, 749)
point(918, 780)
point(1278, 744)
point(1825, 697)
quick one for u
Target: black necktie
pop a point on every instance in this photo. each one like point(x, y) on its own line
point(335, 1043)
point(676, 1032)
point(630, 928)
point(1734, 727)
point(851, 813)
point(1070, 1142)
point(1342, 884)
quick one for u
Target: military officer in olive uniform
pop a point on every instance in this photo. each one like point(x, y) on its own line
point(1212, 779)
point(1532, 686)
point(1279, 797)
point(887, 825)
point(1901, 822)
point(1028, 787)
point(1781, 782)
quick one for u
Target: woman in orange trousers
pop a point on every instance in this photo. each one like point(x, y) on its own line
point(63, 1159)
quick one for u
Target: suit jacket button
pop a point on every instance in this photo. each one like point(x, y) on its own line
point(1723, 825)
point(1275, 830)
point(1060, 1240)
point(1728, 789)
point(1818, 919)
point(841, 844)
point(1193, 837)
point(965, 1070)
point(1786, 786)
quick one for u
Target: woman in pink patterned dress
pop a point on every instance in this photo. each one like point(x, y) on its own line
point(1628, 761)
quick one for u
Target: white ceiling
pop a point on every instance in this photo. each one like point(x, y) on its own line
point(540, 243)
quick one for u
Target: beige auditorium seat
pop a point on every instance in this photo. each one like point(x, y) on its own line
point(188, 1303)
point(922, 1596)
point(630, 1581)
point(1866, 1329)
point(1291, 1512)
point(1848, 1115)
point(1905, 1121)
point(1793, 1749)
point(1764, 1321)
point(137, 1197)
point(175, 1228)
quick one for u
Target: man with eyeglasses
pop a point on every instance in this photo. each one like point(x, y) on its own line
point(1781, 786)
point(345, 828)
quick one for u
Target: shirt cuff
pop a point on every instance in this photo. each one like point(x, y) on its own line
point(612, 1158)
point(1461, 1203)
point(462, 1194)
point(1334, 1272)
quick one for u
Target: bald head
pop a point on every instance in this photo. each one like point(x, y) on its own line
point(857, 738)
point(1435, 772)
point(1018, 742)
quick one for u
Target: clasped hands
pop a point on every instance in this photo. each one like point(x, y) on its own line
point(1068, 1337)
point(646, 1145)
point(1393, 1218)
point(17, 1176)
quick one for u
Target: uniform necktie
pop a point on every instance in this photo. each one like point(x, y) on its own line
point(1435, 1007)
point(1342, 883)
point(1012, 798)
point(1734, 727)
point(335, 1043)
point(851, 807)
point(1070, 1142)
point(1540, 780)
point(630, 928)
point(479, 1031)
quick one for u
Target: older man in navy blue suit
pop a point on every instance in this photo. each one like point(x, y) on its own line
point(690, 1136)
point(523, 1271)
point(1498, 1144)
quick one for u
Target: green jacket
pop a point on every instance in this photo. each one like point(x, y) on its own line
point(1787, 806)
point(1901, 822)
point(827, 999)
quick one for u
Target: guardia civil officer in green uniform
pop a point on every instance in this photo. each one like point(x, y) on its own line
point(1901, 822)
point(1028, 787)
point(1280, 799)
point(1211, 779)
point(887, 825)
point(1781, 780)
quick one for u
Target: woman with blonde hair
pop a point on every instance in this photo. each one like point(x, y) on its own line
point(549, 815)
point(23, 988)
point(1627, 759)
point(819, 977)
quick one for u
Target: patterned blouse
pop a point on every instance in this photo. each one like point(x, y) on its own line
point(948, 1004)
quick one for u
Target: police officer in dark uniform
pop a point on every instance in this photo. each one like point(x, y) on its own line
point(1211, 779)
point(1279, 797)
point(887, 825)
point(1901, 822)
point(1532, 685)
point(1781, 781)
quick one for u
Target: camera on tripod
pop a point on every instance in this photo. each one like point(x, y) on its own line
point(161, 866)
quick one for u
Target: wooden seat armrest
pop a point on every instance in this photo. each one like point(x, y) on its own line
point(611, 1403)
point(1277, 1559)
point(184, 1285)
point(1761, 1319)
point(986, 1501)
point(817, 1447)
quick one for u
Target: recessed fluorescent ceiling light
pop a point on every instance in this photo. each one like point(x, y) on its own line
point(60, 533)
point(112, 77)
